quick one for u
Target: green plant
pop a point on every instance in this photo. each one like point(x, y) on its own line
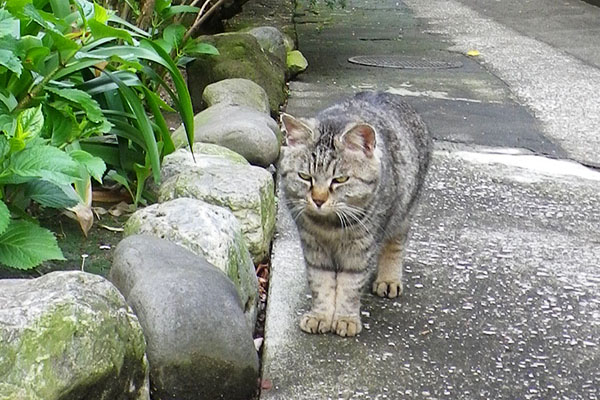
point(76, 85)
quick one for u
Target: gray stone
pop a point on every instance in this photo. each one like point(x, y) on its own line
point(205, 155)
point(270, 40)
point(207, 230)
point(246, 190)
point(241, 57)
point(252, 134)
point(69, 336)
point(199, 343)
point(237, 91)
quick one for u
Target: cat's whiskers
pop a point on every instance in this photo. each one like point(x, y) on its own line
point(297, 208)
point(354, 217)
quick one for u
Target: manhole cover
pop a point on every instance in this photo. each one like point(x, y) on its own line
point(403, 62)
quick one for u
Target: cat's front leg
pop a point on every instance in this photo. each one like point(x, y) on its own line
point(322, 285)
point(346, 321)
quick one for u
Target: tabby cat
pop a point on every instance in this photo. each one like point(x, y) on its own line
point(351, 176)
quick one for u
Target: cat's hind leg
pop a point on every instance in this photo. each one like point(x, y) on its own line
point(388, 282)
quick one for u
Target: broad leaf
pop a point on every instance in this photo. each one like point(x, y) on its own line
point(4, 217)
point(30, 123)
point(100, 14)
point(94, 165)
point(45, 162)
point(100, 30)
point(9, 25)
point(196, 49)
point(24, 245)
point(81, 98)
point(50, 194)
point(10, 61)
point(178, 10)
point(173, 34)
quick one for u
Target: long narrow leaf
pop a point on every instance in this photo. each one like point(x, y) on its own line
point(143, 123)
point(184, 100)
point(103, 83)
point(169, 147)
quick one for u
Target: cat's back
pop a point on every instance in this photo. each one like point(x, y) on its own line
point(396, 121)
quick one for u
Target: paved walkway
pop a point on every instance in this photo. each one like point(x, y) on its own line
point(502, 285)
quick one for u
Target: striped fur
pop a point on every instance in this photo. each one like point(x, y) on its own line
point(351, 177)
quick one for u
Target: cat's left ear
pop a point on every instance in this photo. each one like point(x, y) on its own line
point(297, 131)
point(360, 137)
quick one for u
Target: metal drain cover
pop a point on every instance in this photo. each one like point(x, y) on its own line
point(391, 61)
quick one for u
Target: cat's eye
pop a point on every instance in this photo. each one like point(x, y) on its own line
point(340, 179)
point(304, 176)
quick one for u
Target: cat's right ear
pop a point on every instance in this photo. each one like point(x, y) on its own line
point(298, 133)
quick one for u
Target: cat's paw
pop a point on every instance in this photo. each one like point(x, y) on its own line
point(315, 323)
point(390, 289)
point(346, 325)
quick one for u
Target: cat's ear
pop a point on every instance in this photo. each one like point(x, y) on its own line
point(298, 132)
point(360, 137)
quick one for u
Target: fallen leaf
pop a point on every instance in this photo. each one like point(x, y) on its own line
point(266, 384)
point(111, 228)
point(473, 53)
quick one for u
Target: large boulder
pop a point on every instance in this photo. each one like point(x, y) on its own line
point(69, 336)
point(205, 155)
point(246, 190)
point(271, 40)
point(237, 92)
point(241, 56)
point(248, 132)
point(207, 230)
point(199, 342)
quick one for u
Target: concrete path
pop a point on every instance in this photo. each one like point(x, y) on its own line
point(502, 278)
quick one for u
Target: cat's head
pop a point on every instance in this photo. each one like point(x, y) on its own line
point(330, 168)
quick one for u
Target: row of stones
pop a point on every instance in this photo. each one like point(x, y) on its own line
point(71, 335)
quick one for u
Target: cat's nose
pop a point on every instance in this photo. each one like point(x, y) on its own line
point(319, 202)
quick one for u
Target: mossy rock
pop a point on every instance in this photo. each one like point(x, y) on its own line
point(241, 56)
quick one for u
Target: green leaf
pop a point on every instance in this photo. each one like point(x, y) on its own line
point(8, 124)
point(100, 14)
point(161, 5)
point(178, 10)
point(4, 217)
point(100, 31)
point(104, 84)
point(46, 162)
point(153, 101)
point(94, 165)
point(183, 100)
point(173, 34)
point(9, 25)
point(30, 123)
point(143, 124)
point(10, 61)
point(120, 179)
point(60, 8)
point(133, 29)
point(81, 98)
point(196, 49)
point(166, 46)
point(50, 194)
point(24, 245)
